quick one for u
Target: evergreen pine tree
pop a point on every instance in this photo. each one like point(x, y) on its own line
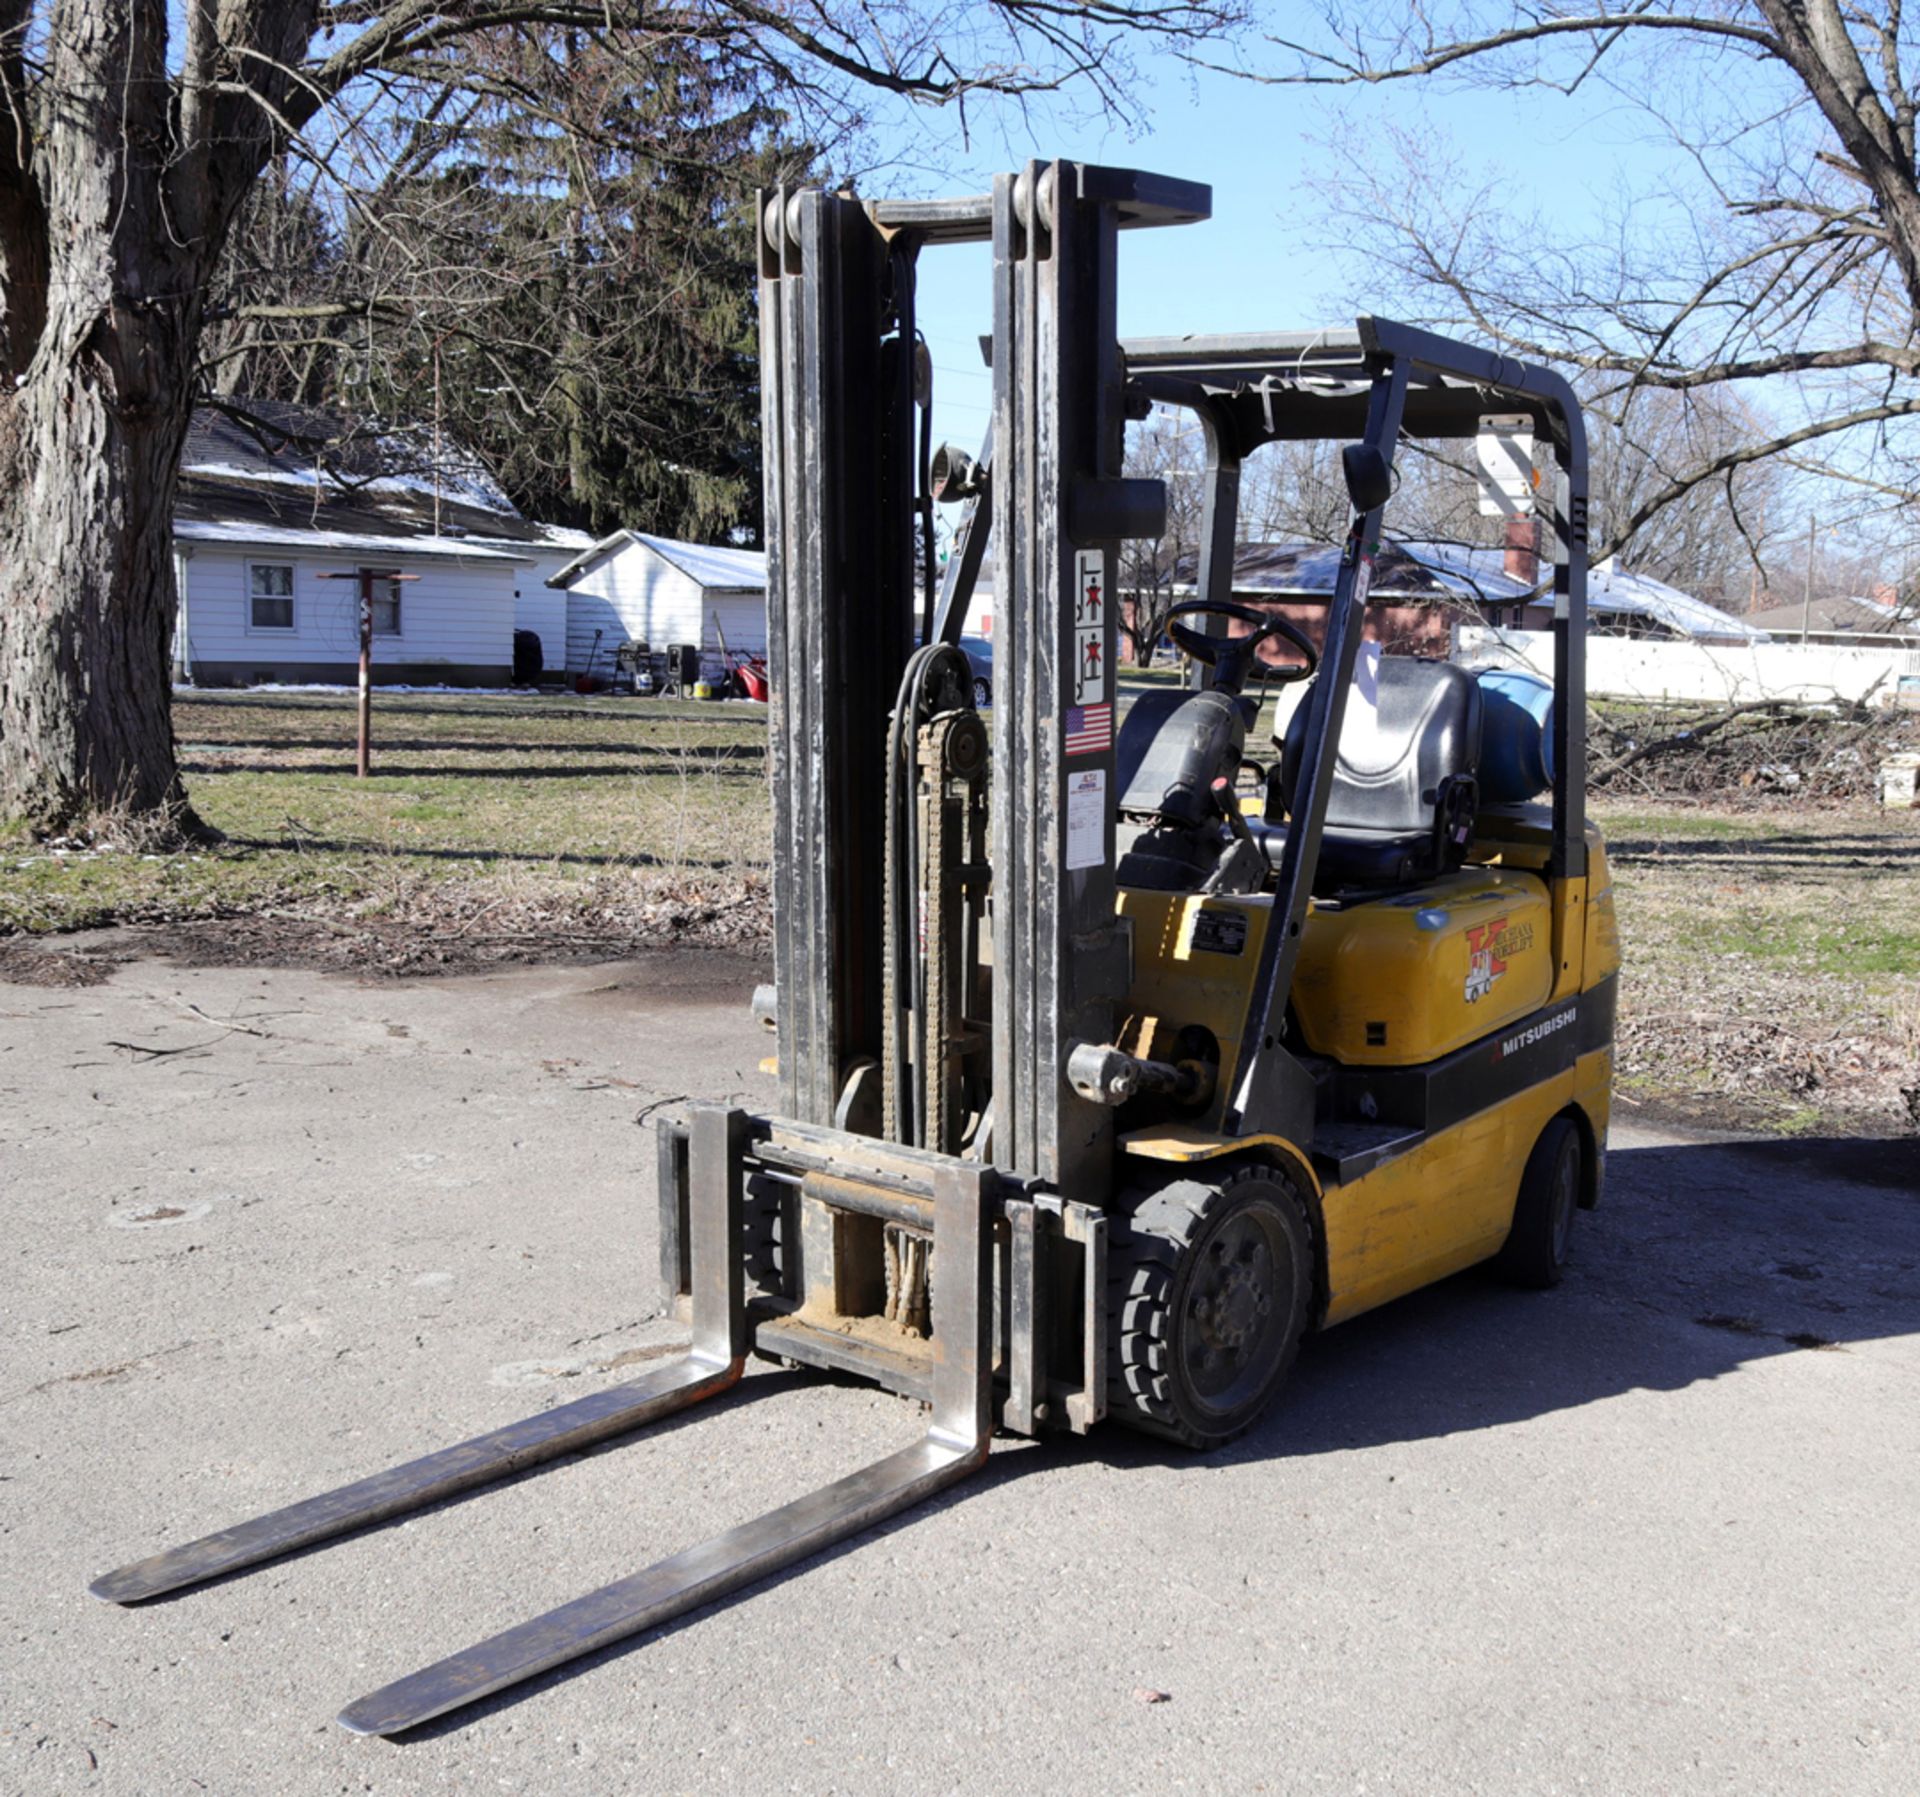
point(570, 287)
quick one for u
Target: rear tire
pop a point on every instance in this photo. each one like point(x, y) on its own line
point(1535, 1252)
point(1211, 1291)
point(982, 693)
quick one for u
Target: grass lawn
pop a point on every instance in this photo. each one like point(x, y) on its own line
point(1773, 956)
point(1772, 972)
point(576, 809)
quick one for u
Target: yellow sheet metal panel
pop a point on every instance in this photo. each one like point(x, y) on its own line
point(1408, 979)
point(1193, 963)
point(1603, 930)
point(1445, 1205)
point(1184, 1145)
point(1593, 1090)
point(1569, 937)
point(1521, 836)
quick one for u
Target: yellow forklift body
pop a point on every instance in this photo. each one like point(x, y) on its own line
point(1051, 1147)
point(1431, 971)
point(1191, 955)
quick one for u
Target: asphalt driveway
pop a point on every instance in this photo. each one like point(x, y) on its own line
point(266, 1231)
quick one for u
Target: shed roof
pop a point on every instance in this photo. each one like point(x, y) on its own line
point(716, 566)
point(223, 508)
point(305, 478)
point(346, 542)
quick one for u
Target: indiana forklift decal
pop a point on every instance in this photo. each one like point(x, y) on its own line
point(1485, 964)
point(1489, 947)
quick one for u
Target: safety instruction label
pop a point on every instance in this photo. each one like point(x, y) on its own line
point(1092, 678)
point(1086, 818)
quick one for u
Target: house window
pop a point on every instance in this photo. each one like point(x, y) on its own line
point(270, 596)
point(386, 607)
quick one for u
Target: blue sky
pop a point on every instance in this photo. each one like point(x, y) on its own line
point(1266, 152)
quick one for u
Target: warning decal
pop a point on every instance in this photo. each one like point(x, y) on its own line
point(1090, 609)
point(1092, 681)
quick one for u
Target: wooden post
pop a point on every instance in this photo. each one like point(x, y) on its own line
point(363, 758)
point(363, 755)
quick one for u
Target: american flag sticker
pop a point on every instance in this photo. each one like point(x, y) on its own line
point(1089, 729)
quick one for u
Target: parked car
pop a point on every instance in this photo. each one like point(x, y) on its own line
point(979, 652)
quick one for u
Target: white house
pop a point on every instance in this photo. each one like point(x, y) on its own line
point(633, 587)
point(278, 519)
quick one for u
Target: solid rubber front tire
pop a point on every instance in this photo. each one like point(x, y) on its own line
point(1535, 1252)
point(1211, 1290)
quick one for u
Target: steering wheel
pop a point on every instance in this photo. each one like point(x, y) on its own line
point(1231, 656)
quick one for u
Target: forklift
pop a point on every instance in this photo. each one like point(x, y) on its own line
point(1111, 1061)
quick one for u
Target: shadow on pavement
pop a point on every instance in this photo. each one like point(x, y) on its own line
point(1702, 1258)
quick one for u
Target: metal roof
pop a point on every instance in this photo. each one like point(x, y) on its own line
point(1611, 592)
point(1829, 617)
point(313, 446)
point(1400, 571)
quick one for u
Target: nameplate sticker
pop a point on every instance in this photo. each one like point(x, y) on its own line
point(1218, 930)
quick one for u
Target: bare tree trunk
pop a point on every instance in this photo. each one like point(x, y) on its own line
point(87, 598)
point(90, 438)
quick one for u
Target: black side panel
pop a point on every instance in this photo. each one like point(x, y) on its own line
point(1512, 1060)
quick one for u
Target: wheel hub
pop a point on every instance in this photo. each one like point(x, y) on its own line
point(1230, 1303)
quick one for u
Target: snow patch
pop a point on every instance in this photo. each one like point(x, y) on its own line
point(197, 530)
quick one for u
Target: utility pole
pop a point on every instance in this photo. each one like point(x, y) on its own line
point(1806, 595)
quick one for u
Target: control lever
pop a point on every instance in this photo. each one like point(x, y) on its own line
point(1242, 866)
point(1228, 805)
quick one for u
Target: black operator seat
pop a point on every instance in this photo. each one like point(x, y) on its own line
point(1404, 792)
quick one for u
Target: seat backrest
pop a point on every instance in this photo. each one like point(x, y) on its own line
point(1173, 746)
point(1394, 756)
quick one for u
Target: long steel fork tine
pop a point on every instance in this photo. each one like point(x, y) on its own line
point(955, 1444)
point(715, 1363)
